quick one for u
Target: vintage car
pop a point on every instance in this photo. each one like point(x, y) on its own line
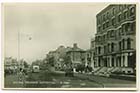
point(35, 68)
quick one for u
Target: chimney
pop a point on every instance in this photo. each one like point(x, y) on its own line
point(75, 45)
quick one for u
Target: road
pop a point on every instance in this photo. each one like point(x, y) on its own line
point(58, 80)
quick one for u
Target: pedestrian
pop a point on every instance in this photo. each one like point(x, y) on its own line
point(21, 75)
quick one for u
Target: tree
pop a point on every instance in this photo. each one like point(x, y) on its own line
point(80, 67)
point(51, 61)
point(67, 60)
point(43, 64)
point(26, 65)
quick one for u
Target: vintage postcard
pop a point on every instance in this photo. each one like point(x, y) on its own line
point(69, 46)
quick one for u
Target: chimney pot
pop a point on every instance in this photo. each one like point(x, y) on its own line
point(75, 45)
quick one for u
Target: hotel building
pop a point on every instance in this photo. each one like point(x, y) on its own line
point(115, 40)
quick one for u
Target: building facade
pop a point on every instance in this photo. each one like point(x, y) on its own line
point(59, 55)
point(11, 63)
point(115, 40)
point(77, 55)
point(90, 54)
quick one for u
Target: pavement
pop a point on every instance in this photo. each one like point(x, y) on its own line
point(107, 82)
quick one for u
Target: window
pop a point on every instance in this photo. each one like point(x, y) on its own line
point(125, 14)
point(119, 62)
point(113, 11)
point(96, 39)
point(120, 7)
point(99, 38)
point(97, 21)
point(115, 35)
point(124, 6)
point(108, 47)
point(99, 61)
point(123, 44)
point(112, 33)
point(108, 65)
point(128, 43)
point(107, 24)
point(113, 21)
point(103, 26)
point(133, 26)
point(120, 45)
point(123, 61)
point(92, 44)
point(132, 11)
point(88, 55)
point(99, 50)
point(99, 29)
point(96, 50)
point(119, 18)
point(103, 17)
point(112, 62)
point(112, 47)
point(119, 31)
point(123, 29)
point(129, 27)
point(104, 37)
point(104, 49)
point(107, 15)
point(93, 55)
point(108, 36)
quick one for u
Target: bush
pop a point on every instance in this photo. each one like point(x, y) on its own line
point(80, 68)
point(69, 72)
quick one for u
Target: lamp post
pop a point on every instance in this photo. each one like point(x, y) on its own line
point(19, 47)
point(21, 64)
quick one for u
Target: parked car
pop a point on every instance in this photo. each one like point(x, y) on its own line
point(35, 68)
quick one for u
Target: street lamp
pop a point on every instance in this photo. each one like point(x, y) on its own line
point(19, 46)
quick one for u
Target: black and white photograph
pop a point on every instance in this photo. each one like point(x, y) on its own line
point(69, 46)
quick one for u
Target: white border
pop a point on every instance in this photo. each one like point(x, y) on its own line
point(60, 1)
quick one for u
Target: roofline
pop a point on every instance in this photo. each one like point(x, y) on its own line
point(104, 9)
point(76, 51)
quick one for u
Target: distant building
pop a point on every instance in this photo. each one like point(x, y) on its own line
point(59, 55)
point(10, 63)
point(90, 54)
point(115, 39)
point(52, 58)
point(76, 55)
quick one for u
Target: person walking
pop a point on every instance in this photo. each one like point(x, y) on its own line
point(21, 75)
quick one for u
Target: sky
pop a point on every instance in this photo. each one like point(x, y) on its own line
point(37, 28)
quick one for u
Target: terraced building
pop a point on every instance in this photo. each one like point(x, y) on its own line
point(115, 40)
